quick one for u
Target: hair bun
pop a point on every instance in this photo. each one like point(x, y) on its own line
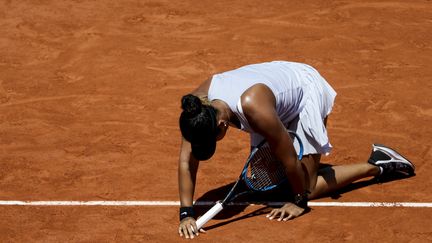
point(191, 105)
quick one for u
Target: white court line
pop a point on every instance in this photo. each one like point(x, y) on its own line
point(207, 203)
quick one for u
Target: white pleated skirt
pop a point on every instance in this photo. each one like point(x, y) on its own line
point(309, 123)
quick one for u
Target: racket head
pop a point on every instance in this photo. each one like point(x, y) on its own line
point(263, 171)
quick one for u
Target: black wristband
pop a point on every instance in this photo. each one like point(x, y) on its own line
point(186, 212)
point(301, 199)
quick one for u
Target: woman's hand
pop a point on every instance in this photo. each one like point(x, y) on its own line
point(188, 228)
point(286, 212)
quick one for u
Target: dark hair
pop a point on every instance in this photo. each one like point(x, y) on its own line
point(198, 125)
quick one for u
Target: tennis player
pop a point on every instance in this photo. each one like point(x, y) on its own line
point(264, 100)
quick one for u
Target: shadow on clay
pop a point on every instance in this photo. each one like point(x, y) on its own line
point(280, 194)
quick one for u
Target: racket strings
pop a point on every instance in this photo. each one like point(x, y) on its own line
point(265, 172)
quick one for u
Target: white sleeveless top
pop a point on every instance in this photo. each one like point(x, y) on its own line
point(298, 88)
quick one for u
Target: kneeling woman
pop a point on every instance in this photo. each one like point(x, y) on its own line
point(264, 100)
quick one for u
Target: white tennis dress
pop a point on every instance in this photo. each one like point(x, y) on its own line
point(303, 99)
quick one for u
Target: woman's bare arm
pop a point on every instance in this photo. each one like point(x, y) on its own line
point(187, 171)
point(258, 103)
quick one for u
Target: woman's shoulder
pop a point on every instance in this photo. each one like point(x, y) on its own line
point(258, 104)
point(256, 95)
point(257, 101)
point(203, 88)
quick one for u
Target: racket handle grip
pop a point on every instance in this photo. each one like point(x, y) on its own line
point(209, 215)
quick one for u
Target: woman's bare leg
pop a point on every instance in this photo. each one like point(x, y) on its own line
point(335, 177)
point(322, 181)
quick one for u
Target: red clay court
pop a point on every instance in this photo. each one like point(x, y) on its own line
point(90, 97)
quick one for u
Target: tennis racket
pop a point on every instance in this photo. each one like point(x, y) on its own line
point(261, 172)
